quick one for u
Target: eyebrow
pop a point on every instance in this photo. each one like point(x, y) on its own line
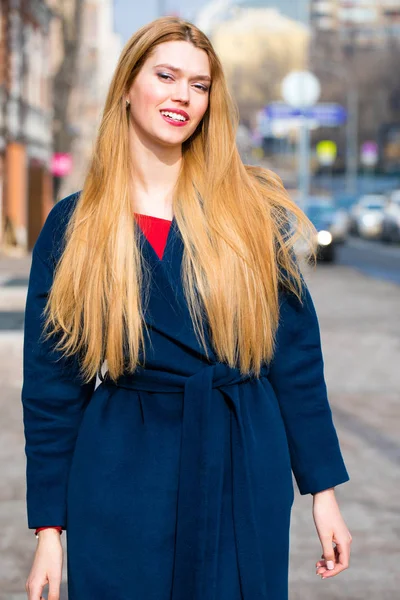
point(177, 70)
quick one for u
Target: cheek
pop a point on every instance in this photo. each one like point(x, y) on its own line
point(201, 109)
point(146, 100)
point(152, 96)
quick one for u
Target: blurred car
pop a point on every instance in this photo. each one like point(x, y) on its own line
point(340, 225)
point(345, 200)
point(366, 216)
point(391, 218)
point(331, 225)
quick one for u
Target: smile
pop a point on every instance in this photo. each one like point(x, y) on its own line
point(174, 115)
point(174, 118)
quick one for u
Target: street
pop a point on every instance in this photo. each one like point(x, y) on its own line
point(372, 258)
point(360, 329)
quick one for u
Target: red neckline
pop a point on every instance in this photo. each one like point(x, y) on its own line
point(153, 217)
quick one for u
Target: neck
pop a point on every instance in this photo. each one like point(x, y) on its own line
point(155, 170)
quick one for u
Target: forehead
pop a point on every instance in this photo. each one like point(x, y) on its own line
point(182, 55)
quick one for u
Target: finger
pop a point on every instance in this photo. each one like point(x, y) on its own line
point(34, 590)
point(328, 551)
point(341, 564)
point(325, 572)
point(322, 562)
point(344, 553)
point(54, 588)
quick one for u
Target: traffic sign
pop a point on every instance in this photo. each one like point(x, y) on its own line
point(61, 164)
point(280, 110)
point(369, 153)
point(301, 89)
point(326, 152)
point(326, 113)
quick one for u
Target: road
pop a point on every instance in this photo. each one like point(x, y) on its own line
point(372, 258)
point(362, 355)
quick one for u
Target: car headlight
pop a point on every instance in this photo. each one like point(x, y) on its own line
point(369, 220)
point(324, 238)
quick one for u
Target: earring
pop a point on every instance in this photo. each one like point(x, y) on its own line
point(127, 104)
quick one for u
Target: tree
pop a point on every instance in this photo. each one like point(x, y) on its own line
point(374, 72)
point(258, 48)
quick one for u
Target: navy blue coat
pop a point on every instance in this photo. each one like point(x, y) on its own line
point(176, 483)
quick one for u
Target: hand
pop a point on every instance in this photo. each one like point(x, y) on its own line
point(331, 528)
point(47, 566)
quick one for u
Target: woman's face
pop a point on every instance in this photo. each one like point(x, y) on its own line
point(175, 79)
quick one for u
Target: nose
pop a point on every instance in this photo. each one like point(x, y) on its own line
point(181, 92)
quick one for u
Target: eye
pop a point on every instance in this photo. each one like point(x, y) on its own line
point(164, 76)
point(168, 77)
point(203, 88)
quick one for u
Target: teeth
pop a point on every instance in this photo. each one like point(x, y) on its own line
point(173, 115)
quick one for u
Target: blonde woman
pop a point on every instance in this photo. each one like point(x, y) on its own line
point(173, 376)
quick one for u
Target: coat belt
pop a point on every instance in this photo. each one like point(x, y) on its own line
point(195, 566)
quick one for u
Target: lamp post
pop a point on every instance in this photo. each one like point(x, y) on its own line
point(301, 90)
point(352, 139)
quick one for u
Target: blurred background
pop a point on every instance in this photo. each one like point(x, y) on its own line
point(317, 83)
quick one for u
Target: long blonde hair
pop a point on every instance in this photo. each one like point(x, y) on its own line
point(233, 219)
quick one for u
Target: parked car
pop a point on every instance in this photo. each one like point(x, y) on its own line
point(340, 225)
point(366, 216)
point(345, 200)
point(391, 218)
point(331, 225)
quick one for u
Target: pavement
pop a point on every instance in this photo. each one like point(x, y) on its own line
point(360, 330)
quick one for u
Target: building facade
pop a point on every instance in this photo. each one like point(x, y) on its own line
point(32, 49)
point(98, 56)
point(363, 23)
point(25, 120)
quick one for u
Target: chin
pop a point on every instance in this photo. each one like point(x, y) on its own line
point(178, 141)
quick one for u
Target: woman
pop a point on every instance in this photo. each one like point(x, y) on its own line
point(172, 269)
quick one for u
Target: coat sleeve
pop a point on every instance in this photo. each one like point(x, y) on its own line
point(297, 376)
point(53, 400)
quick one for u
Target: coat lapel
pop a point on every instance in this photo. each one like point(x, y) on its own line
point(167, 310)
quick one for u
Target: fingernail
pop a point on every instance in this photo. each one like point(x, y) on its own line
point(330, 565)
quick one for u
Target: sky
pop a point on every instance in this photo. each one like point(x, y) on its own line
point(130, 15)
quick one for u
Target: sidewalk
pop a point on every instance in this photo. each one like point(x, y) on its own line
point(15, 265)
point(360, 329)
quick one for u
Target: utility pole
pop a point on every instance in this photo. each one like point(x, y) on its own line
point(304, 153)
point(352, 122)
point(352, 139)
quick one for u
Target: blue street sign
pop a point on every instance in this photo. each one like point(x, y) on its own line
point(328, 114)
point(325, 113)
point(279, 110)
